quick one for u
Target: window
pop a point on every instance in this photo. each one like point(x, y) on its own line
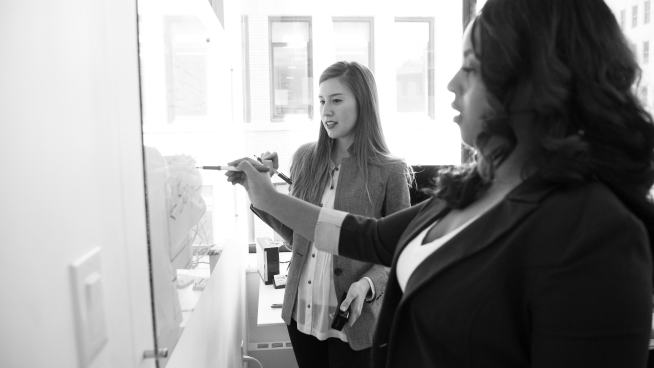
point(623, 16)
point(414, 65)
point(291, 68)
point(646, 12)
point(643, 95)
point(645, 52)
point(323, 35)
point(634, 16)
point(353, 40)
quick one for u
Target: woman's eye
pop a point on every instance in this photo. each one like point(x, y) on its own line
point(336, 101)
point(467, 70)
point(322, 102)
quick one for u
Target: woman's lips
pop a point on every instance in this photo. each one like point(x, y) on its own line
point(330, 124)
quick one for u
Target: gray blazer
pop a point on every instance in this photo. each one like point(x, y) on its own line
point(390, 193)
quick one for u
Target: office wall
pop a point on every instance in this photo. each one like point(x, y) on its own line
point(72, 180)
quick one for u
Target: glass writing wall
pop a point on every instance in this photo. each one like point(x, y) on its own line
point(187, 123)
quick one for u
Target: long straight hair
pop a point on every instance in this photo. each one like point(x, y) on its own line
point(310, 167)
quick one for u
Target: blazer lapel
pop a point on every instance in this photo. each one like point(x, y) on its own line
point(427, 217)
point(478, 235)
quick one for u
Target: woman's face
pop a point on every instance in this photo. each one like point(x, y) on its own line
point(470, 92)
point(338, 110)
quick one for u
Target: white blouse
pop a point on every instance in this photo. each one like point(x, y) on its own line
point(316, 297)
point(415, 252)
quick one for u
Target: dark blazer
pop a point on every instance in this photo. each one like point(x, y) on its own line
point(550, 277)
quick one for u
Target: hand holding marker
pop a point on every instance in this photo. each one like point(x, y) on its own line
point(282, 176)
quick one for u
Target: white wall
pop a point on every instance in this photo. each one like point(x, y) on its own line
point(70, 151)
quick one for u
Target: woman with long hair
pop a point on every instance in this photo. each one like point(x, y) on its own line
point(539, 254)
point(349, 168)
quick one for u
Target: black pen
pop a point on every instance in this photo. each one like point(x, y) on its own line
point(284, 177)
point(276, 306)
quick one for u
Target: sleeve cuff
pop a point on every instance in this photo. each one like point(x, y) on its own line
point(372, 290)
point(328, 230)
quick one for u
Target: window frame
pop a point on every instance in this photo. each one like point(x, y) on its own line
point(371, 44)
point(644, 95)
point(271, 44)
point(634, 16)
point(645, 52)
point(646, 11)
point(245, 44)
point(431, 104)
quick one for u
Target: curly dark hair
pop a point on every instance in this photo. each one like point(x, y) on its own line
point(588, 121)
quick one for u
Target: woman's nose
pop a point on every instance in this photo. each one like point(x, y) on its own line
point(450, 85)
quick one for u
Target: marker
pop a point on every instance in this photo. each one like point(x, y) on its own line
point(284, 177)
point(276, 306)
point(233, 168)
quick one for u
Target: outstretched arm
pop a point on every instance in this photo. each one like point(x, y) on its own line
point(294, 213)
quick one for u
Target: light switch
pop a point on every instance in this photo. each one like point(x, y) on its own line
point(88, 298)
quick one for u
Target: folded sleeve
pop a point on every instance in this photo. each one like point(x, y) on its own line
point(328, 230)
point(362, 238)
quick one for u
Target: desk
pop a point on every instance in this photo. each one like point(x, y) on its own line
point(268, 295)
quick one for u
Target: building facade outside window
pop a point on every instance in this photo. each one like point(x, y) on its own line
point(414, 65)
point(291, 69)
point(353, 40)
point(639, 39)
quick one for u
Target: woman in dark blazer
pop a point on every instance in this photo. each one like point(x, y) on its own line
point(539, 253)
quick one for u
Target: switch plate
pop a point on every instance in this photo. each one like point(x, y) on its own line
point(86, 277)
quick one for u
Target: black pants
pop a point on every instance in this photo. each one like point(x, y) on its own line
point(331, 353)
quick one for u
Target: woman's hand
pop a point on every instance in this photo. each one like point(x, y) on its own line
point(355, 298)
point(271, 160)
point(257, 184)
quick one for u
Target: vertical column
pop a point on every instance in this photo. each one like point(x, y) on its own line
point(259, 49)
